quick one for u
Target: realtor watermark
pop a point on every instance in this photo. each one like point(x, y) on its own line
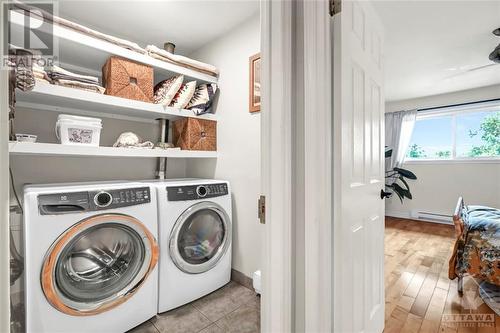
point(28, 30)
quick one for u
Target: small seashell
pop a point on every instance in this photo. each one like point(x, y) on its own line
point(130, 139)
point(164, 145)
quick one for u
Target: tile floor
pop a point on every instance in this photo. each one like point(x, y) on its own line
point(233, 308)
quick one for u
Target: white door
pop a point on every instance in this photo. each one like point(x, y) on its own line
point(358, 169)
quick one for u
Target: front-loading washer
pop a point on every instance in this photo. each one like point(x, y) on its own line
point(194, 225)
point(90, 256)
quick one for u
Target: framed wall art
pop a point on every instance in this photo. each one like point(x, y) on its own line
point(254, 96)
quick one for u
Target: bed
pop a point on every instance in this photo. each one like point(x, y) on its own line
point(477, 248)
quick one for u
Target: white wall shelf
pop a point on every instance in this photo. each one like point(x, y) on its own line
point(53, 149)
point(56, 98)
point(83, 51)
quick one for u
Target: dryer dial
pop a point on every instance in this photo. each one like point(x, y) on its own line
point(201, 191)
point(103, 199)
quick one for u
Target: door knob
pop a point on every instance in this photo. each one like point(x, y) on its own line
point(384, 194)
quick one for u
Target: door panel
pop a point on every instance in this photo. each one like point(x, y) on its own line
point(374, 122)
point(358, 175)
point(357, 128)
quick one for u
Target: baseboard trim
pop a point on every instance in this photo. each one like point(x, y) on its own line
point(407, 215)
point(398, 214)
point(242, 279)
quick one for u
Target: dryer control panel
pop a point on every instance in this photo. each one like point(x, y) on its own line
point(196, 192)
point(74, 202)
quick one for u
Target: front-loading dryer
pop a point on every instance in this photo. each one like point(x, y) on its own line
point(90, 256)
point(194, 223)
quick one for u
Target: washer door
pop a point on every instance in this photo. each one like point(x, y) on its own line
point(200, 237)
point(98, 264)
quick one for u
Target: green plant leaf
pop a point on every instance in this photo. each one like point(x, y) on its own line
point(402, 191)
point(406, 173)
point(400, 196)
point(405, 183)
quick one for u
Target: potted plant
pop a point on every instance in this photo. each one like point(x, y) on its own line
point(396, 181)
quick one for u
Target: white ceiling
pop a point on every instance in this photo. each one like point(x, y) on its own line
point(428, 43)
point(188, 24)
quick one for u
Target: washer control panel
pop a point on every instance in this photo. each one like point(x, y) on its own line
point(196, 192)
point(73, 202)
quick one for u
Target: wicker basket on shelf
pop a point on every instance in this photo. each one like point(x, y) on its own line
point(128, 79)
point(195, 134)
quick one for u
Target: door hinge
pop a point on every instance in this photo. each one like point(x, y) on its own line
point(335, 7)
point(262, 209)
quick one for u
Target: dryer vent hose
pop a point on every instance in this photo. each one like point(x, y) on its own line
point(17, 261)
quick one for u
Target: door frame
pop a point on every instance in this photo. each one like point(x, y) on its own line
point(276, 166)
point(4, 195)
point(296, 136)
point(318, 156)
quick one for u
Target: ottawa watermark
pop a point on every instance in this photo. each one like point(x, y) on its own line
point(28, 29)
point(468, 320)
point(471, 301)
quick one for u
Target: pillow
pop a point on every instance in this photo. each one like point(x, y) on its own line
point(184, 95)
point(202, 98)
point(165, 90)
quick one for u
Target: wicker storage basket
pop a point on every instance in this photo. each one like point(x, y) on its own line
point(128, 79)
point(195, 134)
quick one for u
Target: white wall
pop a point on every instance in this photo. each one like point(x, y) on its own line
point(464, 96)
point(238, 139)
point(440, 183)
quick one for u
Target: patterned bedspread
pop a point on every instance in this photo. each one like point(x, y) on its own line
point(477, 250)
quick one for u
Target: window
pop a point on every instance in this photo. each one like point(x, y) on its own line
point(470, 131)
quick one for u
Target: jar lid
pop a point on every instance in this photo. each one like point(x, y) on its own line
point(78, 118)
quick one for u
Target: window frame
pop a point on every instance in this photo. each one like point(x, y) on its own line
point(454, 111)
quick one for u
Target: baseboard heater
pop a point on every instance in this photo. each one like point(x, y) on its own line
point(432, 217)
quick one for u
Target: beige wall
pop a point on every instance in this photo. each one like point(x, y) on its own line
point(238, 139)
point(440, 183)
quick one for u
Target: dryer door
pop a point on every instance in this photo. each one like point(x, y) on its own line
point(98, 264)
point(200, 237)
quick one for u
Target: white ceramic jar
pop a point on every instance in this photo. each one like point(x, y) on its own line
point(77, 130)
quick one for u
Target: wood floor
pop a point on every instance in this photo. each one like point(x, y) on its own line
point(419, 295)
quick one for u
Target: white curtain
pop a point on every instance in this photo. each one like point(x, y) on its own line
point(398, 131)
